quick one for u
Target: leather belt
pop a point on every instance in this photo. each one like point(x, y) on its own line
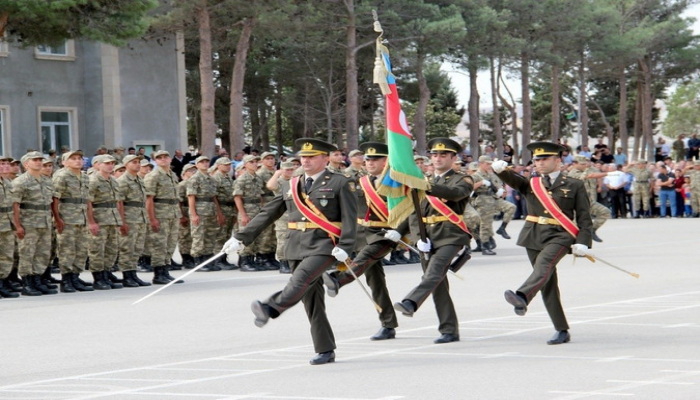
point(374, 224)
point(5, 209)
point(184, 204)
point(205, 199)
point(107, 204)
point(72, 201)
point(302, 225)
point(133, 204)
point(642, 181)
point(542, 220)
point(434, 219)
point(38, 207)
point(166, 201)
point(227, 203)
point(252, 201)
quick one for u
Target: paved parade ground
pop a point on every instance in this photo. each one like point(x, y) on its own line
point(631, 338)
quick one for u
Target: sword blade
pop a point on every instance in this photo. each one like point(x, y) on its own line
point(208, 261)
point(376, 306)
point(634, 274)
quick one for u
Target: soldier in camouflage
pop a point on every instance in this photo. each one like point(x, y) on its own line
point(70, 210)
point(7, 236)
point(580, 169)
point(471, 216)
point(32, 197)
point(224, 193)
point(693, 172)
point(133, 229)
point(145, 259)
point(247, 193)
point(336, 162)
point(485, 204)
point(282, 175)
point(267, 241)
point(205, 215)
point(46, 278)
point(185, 236)
point(105, 216)
point(356, 170)
point(641, 187)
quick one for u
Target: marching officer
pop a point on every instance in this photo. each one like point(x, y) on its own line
point(553, 202)
point(447, 234)
point(322, 224)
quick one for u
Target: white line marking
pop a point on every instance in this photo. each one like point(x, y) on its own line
point(649, 382)
point(591, 393)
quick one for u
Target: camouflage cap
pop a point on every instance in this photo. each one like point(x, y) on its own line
point(201, 158)
point(47, 161)
point(249, 158)
point(222, 161)
point(68, 154)
point(145, 163)
point(293, 159)
point(355, 152)
point(581, 159)
point(287, 165)
point(473, 166)
point(266, 154)
point(486, 159)
point(119, 148)
point(64, 147)
point(131, 157)
point(187, 168)
point(642, 161)
point(105, 158)
point(119, 166)
point(5, 158)
point(159, 153)
point(31, 155)
point(14, 161)
point(102, 147)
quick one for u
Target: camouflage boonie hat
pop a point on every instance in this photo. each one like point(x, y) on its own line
point(222, 161)
point(31, 155)
point(159, 153)
point(131, 157)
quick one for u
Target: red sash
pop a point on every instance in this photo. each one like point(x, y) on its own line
point(374, 200)
point(551, 206)
point(313, 214)
point(448, 213)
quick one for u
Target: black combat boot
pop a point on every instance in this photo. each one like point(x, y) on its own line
point(135, 278)
point(284, 267)
point(246, 263)
point(413, 257)
point(113, 277)
point(263, 263)
point(401, 257)
point(487, 249)
point(272, 259)
point(14, 281)
point(175, 266)
point(67, 283)
point(79, 284)
point(146, 264)
point(54, 266)
point(223, 263)
point(595, 237)
point(492, 243)
point(99, 281)
point(478, 247)
point(207, 268)
point(158, 278)
point(502, 230)
point(128, 281)
point(36, 280)
point(6, 290)
point(28, 288)
point(47, 279)
point(166, 274)
point(188, 261)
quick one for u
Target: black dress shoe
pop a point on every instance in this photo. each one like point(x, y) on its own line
point(384, 334)
point(332, 285)
point(595, 237)
point(261, 315)
point(516, 301)
point(447, 338)
point(323, 358)
point(406, 307)
point(560, 337)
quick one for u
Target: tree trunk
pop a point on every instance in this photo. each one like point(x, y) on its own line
point(648, 105)
point(608, 127)
point(351, 91)
point(638, 150)
point(278, 122)
point(473, 111)
point(556, 114)
point(419, 129)
point(237, 132)
point(206, 79)
point(496, 112)
point(622, 123)
point(4, 18)
point(514, 117)
point(527, 107)
point(583, 109)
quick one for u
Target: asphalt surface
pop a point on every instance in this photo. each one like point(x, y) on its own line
point(631, 338)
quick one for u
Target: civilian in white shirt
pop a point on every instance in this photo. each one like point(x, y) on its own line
point(616, 182)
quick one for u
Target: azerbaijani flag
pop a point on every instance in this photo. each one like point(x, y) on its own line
point(401, 173)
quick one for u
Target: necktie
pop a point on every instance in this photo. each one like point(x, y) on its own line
point(547, 181)
point(373, 180)
point(309, 182)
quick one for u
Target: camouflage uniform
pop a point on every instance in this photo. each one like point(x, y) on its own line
point(354, 173)
point(250, 188)
point(34, 196)
point(133, 194)
point(104, 195)
point(694, 175)
point(224, 193)
point(71, 190)
point(471, 218)
point(643, 179)
point(162, 185)
point(337, 170)
point(203, 188)
point(267, 241)
point(281, 225)
point(502, 205)
point(599, 212)
point(485, 205)
point(185, 238)
point(7, 236)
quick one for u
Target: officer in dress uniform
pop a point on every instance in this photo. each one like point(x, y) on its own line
point(322, 225)
point(372, 245)
point(445, 239)
point(547, 235)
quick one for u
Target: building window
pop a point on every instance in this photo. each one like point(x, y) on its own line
point(57, 128)
point(4, 128)
point(62, 52)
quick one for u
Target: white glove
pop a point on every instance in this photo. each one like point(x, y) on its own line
point(392, 235)
point(579, 250)
point(499, 193)
point(232, 246)
point(424, 246)
point(487, 182)
point(339, 254)
point(499, 166)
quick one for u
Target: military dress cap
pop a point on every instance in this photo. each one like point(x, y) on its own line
point(31, 155)
point(486, 159)
point(581, 159)
point(222, 161)
point(145, 163)
point(375, 149)
point(355, 152)
point(249, 158)
point(265, 154)
point(68, 154)
point(544, 149)
point(201, 158)
point(444, 144)
point(310, 147)
point(187, 168)
point(159, 153)
point(131, 157)
point(287, 165)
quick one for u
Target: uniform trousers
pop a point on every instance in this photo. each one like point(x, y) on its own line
point(73, 245)
point(103, 248)
point(369, 263)
point(162, 243)
point(131, 247)
point(434, 282)
point(7, 249)
point(305, 285)
point(600, 214)
point(203, 235)
point(34, 251)
point(544, 279)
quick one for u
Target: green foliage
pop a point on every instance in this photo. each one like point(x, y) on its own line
point(33, 22)
point(683, 105)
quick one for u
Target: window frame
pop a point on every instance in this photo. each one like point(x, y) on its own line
point(72, 125)
point(5, 131)
point(68, 56)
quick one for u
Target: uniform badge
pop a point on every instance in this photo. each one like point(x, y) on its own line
point(352, 187)
point(323, 202)
point(566, 191)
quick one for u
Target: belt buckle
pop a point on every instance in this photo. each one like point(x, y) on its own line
point(542, 220)
point(301, 226)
